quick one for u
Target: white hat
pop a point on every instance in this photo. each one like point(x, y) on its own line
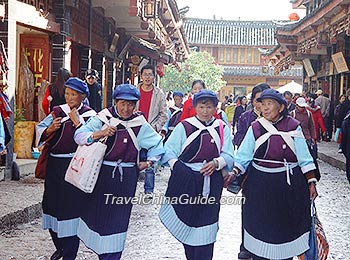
point(301, 102)
point(319, 92)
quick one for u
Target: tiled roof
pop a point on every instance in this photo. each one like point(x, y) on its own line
point(223, 32)
point(295, 71)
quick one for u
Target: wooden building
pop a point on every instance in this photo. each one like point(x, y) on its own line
point(114, 37)
point(81, 34)
point(239, 47)
point(320, 41)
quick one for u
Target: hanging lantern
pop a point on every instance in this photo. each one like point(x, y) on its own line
point(150, 8)
point(160, 69)
point(294, 17)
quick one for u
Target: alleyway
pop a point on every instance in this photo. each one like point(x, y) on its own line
point(148, 240)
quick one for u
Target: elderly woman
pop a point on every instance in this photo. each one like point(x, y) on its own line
point(61, 201)
point(280, 182)
point(197, 150)
point(104, 223)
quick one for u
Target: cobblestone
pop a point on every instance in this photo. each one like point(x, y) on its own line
point(148, 240)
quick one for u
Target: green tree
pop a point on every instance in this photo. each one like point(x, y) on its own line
point(199, 65)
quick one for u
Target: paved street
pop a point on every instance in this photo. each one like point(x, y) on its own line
point(148, 239)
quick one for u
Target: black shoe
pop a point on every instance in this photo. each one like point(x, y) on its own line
point(57, 255)
point(244, 255)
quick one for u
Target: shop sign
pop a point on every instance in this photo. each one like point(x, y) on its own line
point(308, 68)
point(36, 48)
point(340, 62)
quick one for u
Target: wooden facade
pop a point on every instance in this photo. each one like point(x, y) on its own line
point(82, 34)
point(321, 42)
point(239, 47)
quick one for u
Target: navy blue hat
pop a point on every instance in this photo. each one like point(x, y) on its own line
point(273, 94)
point(126, 92)
point(205, 93)
point(178, 93)
point(77, 85)
point(91, 73)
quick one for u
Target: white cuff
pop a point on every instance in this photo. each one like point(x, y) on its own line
point(307, 168)
point(311, 180)
point(221, 162)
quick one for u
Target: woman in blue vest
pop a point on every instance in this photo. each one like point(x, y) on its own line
point(62, 201)
point(197, 150)
point(103, 224)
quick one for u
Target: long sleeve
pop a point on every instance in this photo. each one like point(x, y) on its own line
point(186, 109)
point(162, 115)
point(150, 140)
point(227, 149)
point(303, 155)
point(166, 125)
point(82, 134)
point(45, 103)
point(2, 135)
point(245, 153)
point(41, 127)
point(174, 143)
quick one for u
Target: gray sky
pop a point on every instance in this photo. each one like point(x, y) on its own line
point(240, 9)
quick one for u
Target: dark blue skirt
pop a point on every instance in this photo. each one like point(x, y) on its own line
point(185, 212)
point(277, 217)
point(61, 201)
point(103, 224)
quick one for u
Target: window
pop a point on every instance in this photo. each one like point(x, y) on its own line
point(228, 55)
point(221, 55)
point(235, 55)
point(249, 55)
point(256, 56)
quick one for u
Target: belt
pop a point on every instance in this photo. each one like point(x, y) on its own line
point(206, 184)
point(118, 164)
point(287, 166)
point(62, 155)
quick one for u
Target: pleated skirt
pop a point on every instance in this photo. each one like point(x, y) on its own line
point(105, 218)
point(277, 216)
point(186, 214)
point(61, 201)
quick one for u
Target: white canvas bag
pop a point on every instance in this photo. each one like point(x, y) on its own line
point(85, 166)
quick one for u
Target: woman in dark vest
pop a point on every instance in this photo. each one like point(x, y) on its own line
point(61, 201)
point(197, 150)
point(103, 224)
point(279, 185)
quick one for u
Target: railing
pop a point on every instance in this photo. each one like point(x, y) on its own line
point(45, 5)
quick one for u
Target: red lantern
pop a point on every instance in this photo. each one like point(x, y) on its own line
point(294, 17)
point(160, 69)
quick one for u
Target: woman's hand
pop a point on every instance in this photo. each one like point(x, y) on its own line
point(74, 116)
point(108, 131)
point(143, 165)
point(313, 191)
point(208, 168)
point(55, 125)
point(228, 179)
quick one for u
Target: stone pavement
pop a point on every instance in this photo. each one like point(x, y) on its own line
point(147, 239)
point(20, 202)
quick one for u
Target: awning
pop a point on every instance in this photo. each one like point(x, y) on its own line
point(138, 46)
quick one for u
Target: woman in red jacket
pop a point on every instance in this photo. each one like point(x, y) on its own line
point(317, 117)
point(188, 109)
